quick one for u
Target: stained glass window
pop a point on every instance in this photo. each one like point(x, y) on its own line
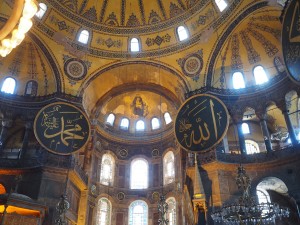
point(107, 169)
point(139, 174)
point(103, 212)
point(138, 213)
point(169, 168)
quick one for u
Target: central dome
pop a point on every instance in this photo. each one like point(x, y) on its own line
point(129, 13)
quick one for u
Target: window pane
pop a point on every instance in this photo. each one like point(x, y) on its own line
point(134, 45)
point(84, 37)
point(168, 118)
point(251, 147)
point(140, 125)
point(245, 128)
point(221, 4)
point(238, 80)
point(138, 213)
point(124, 124)
point(103, 212)
point(8, 86)
point(169, 168)
point(171, 214)
point(42, 10)
point(107, 169)
point(260, 75)
point(110, 119)
point(139, 174)
point(155, 123)
point(182, 33)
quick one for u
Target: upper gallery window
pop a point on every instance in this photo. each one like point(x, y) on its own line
point(103, 212)
point(182, 33)
point(245, 128)
point(134, 45)
point(8, 85)
point(124, 124)
point(31, 88)
point(169, 168)
point(171, 213)
point(155, 123)
point(251, 147)
point(238, 80)
point(263, 196)
point(140, 125)
point(138, 213)
point(84, 37)
point(110, 119)
point(222, 4)
point(260, 75)
point(139, 174)
point(42, 10)
point(168, 118)
point(107, 169)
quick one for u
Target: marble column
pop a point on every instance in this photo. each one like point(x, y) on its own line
point(6, 123)
point(290, 128)
point(28, 128)
point(265, 131)
point(241, 136)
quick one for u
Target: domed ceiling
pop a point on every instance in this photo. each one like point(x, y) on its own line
point(244, 35)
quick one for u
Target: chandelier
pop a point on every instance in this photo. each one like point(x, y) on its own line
point(18, 24)
point(246, 211)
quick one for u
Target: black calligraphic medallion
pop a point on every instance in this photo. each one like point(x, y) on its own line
point(61, 128)
point(201, 123)
point(291, 39)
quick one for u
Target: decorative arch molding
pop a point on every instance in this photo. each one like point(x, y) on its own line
point(150, 63)
point(225, 35)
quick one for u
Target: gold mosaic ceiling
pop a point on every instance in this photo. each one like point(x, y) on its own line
point(104, 67)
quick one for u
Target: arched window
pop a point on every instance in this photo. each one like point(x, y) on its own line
point(238, 80)
point(84, 37)
point(103, 212)
point(8, 85)
point(124, 124)
point(262, 196)
point(260, 75)
point(169, 168)
point(182, 33)
point(245, 128)
point(139, 174)
point(110, 119)
point(134, 45)
point(279, 64)
point(168, 118)
point(171, 213)
point(31, 88)
point(251, 147)
point(107, 169)
point(140, 125)
point(138, 213)
point(155, 123)
point(42, 10)
point(222, 4)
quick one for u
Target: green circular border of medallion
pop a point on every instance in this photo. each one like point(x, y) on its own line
point(225, 131)
point(56, 103)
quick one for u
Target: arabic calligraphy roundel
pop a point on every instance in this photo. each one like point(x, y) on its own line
point(201, 123)
point(61, 128)
point(291, 40)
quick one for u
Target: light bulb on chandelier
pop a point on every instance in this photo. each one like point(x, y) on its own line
point(13, 34)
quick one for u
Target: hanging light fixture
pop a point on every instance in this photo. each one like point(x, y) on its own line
point(19, 23)
point(246, 211)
